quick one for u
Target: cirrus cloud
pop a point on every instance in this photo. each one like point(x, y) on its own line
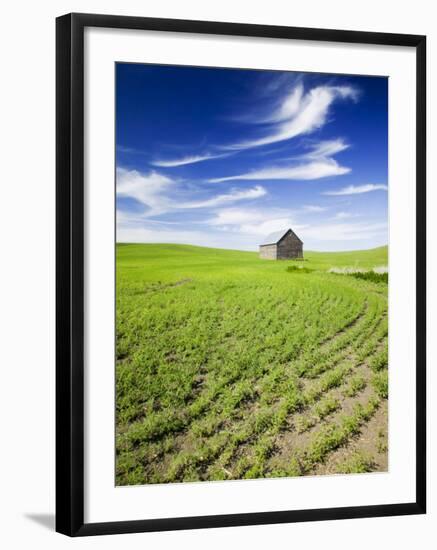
point(357, 189)
point(299, 113)
point(327, 148)
point(153, 191)
point(233, 196)
point(316, 169)
point(193, 159)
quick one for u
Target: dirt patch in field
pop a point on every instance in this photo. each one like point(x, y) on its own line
point(302, 426)
point(370, 443)
point(293, 439)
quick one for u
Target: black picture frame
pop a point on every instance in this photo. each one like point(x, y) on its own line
point(70, 273)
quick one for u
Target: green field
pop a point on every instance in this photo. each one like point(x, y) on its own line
point(232, 367)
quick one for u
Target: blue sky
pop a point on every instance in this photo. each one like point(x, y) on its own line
point(223, 157)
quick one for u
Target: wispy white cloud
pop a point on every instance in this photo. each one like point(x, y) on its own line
point(130, 150)
point(238, 215)
point(245, 227)
point(345, 215)
point(252, 221)
point(313, 208)
point(186, 160)
point(299, 113)
point(357, 189)
point(322, 168)
point(289, 107)
point(266, 227)
point(314, 164)
point(153, 191)
point(338, 231)
point(259, 222)
point(128, 218)
point(234, 195)
point(149, 189)
point(327, 148)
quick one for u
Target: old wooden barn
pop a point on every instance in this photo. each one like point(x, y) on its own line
point(282, 245)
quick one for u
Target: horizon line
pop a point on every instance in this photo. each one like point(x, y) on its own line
point(252, 251)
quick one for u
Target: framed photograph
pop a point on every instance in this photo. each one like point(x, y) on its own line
point(240, 274)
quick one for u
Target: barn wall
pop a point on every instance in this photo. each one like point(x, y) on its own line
point(289, 247)
point(268, 252)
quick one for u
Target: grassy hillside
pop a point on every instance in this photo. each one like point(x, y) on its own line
point(366, 259)
point(233, 367)
point(151, 259)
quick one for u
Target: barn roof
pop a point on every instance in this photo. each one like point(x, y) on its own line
point(275, 237)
